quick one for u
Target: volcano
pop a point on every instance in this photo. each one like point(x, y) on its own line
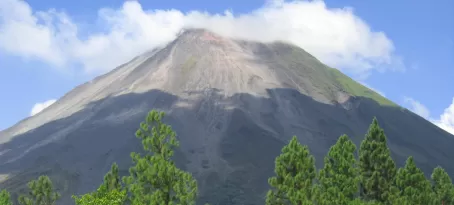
point(233, 104)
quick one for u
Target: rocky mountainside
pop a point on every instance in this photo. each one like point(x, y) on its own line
point(234, 104)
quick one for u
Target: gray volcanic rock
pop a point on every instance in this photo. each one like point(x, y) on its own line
point(233, 104)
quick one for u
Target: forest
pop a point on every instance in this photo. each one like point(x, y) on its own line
point(350, 176)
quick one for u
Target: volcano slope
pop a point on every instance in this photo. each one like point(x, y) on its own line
point(234, 104)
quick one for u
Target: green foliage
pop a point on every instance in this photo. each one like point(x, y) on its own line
point(154, 179)
point(354, 88)
point(102, 197)
point(338, 180)
point(111, 180)
point(41, 193)
point(5, 198)
point(377, 168)
point(344, 180)
point(295, 173)
point(442, 186)
point(358, 201)
point(412, 185)
point(108, 193)
point(157, 138)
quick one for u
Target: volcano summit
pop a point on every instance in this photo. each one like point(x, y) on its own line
point(234, 104)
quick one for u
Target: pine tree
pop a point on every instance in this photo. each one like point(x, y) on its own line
point(338, 180)
point(442, 186)
point(413, 186)
point(377, 168)
point(154, 179)
point(111, 180)
point(295, 172)
point(358, 201)
point(41, 193)
point(109, 192)
point(5, 198)
point(102, 197)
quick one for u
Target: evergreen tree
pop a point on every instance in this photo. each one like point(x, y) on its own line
point(358, 201)
point(102, 197)
point(377, 168)
point(41, 193)
point(442, 186)
point(295, 173)
point(413, 186)
point(338, 180)
point(5, 198)
point(111, 180)
point(109, 192)
point(154, 179)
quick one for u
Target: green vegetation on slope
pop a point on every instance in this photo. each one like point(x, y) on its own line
point(356, 89)
point(371, 179)
point(188, 64)
point(5, 198)
point(328, 80)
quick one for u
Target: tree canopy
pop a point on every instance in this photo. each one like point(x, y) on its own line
point(349, 176)
point(295, 173)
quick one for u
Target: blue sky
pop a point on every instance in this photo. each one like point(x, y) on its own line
point(403, 49)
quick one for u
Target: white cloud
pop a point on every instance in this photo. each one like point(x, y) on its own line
point(417, 107)
point(38, 107)
point(335, 35)
point(445, 121)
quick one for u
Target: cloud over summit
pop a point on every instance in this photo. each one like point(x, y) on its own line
point(334, 35)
